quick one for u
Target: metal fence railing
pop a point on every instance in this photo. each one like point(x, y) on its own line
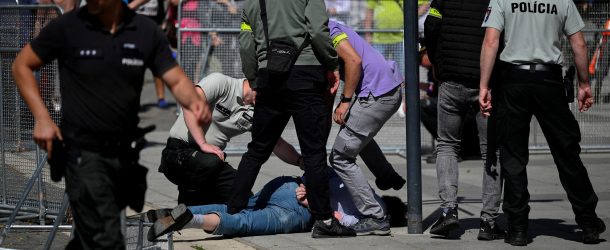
point(207, 42)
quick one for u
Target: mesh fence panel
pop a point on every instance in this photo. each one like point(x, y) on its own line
point(209, 43)
point(19, 154)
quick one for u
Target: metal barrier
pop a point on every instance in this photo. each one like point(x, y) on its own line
point(207, 42)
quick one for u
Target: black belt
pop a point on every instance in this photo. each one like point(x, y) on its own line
point(538, 67)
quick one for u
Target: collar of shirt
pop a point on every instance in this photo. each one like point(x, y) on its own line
point(93, 22)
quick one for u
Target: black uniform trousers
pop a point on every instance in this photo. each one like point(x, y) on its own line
point(202, 178)
point(280, 99)
point(540, 93)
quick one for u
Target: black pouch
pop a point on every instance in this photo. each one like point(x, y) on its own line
point(58, 160)
point(281, 55)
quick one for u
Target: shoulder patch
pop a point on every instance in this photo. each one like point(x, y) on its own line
point(435, 13)
point(245, 27)
point(342, 36)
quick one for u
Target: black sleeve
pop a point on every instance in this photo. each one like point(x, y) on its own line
point(161, 59)
point(432, 29)
point(50, 42)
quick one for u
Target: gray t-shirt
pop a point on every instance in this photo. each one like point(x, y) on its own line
point(230, 116)
point(533, 28)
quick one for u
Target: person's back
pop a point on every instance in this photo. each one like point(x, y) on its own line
point(531, 84)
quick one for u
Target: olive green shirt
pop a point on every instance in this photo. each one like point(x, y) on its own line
point(286, 19)
point(533, 28)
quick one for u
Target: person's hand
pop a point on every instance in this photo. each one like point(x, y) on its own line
point(341, 112)
point(585, 98)
point(44, 132)
point(216, 40)
point(332, 11)
point(301, 194)
point(485, 102)
point(333, 81)
point(368, 37)
point(213, 149)
point(201, 111)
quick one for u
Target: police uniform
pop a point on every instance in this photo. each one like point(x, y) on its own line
point(203, 178)
point(101, 81)
point(531, 84)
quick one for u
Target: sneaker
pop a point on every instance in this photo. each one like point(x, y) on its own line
point(162, 103)
point(178, 217)
point(334, 230)
point(516, 238)
point(591, 234)
point(395, 182)
point(154, 214)
point(487, 232)
point(446, 223)
point(372, 226)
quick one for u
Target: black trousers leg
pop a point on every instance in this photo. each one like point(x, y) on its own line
point(561, 131)
point(270, 119)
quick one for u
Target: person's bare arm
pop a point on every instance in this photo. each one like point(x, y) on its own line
point(287, 153)
point(585, 98)
point(184, 91)
point(489, 50)
point(197, 131)
point(368, 24)
point(353, 70)
point(45, 130)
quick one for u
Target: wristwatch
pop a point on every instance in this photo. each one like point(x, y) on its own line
point(345, 99)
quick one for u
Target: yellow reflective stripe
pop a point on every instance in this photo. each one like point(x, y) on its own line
point(435, 13)
point(338, 39)
point(245, 27)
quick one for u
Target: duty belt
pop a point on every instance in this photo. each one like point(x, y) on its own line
point(538, 67)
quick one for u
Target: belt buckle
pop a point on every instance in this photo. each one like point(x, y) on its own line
point(532, 68)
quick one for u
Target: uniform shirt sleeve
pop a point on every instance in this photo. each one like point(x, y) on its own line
point(247, 51)
point(162, 59)
point(573, 22)
point(50, 42)
point(494, 17)
point(214, 87)
point(432, 29)
point(317, 23)
point(337, 35)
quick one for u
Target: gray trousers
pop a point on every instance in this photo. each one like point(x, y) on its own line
point(454, 102)
point(366, 117)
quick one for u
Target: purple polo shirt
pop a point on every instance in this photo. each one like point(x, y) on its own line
point(378, 75)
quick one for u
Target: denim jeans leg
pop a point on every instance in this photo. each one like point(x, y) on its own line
point(450, 116)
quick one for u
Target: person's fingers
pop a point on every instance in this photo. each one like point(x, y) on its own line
point(49, 147)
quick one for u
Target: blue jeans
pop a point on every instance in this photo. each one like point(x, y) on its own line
point(273, 210)
point(393, 51)
point(454, 102)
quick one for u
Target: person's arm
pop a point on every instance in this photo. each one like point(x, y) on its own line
point(247, 51)
point(432, 29)
point(137, 3)
point(287, 153)
point(353, 70)
point(45, 130)
point(183, 89)
point(489, 51)
point(579, 46)
point(197, 131)
point(368, 23)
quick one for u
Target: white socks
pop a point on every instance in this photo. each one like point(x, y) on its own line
point(195, 222)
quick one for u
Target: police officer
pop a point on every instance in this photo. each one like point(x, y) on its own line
point(298, 93)
point(532, 85)
point(193, 159)
point(102, 51)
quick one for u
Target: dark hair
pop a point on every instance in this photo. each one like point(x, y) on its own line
point(397, 211)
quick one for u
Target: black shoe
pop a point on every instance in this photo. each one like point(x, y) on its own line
point(334, 230)
point(395, 182)
point(372, 226)
point(178, 217)
point(516, 238)
point(154, 214)
point(487, 232)
point(446, 223)
point(591, 233)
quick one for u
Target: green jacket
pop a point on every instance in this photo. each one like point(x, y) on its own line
point(292, 19)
